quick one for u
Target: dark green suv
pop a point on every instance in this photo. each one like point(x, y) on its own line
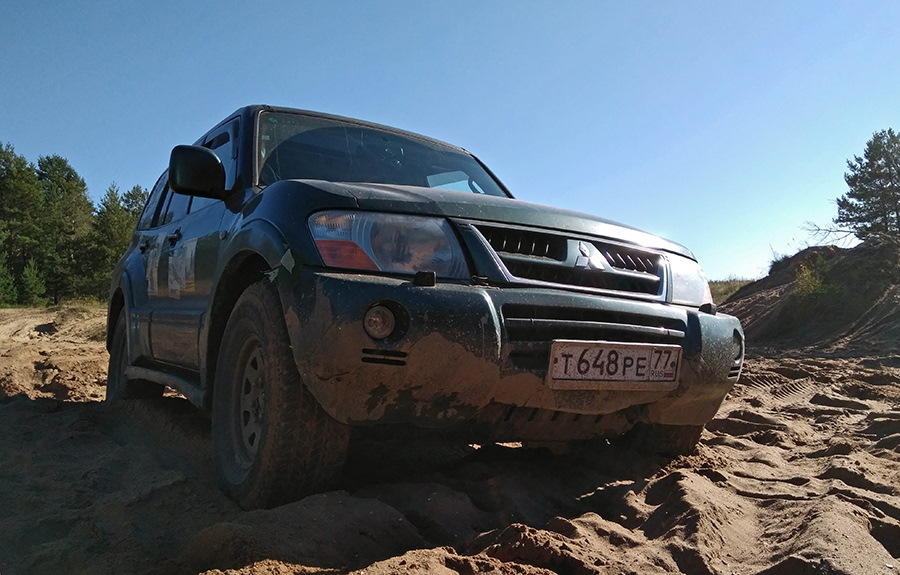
point(299, 274)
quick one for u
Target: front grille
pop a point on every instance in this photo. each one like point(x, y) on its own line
point(553, 258)
point(630, 259)
point(543, 323)
point(590, 278)
point(525, 242)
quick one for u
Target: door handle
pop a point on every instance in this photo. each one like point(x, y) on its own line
point(175, 237)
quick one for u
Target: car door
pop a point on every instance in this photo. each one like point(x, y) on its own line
point(189, 256)
point(142, 267)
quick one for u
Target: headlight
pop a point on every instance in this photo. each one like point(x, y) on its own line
point(689, 285)
point(388, 242)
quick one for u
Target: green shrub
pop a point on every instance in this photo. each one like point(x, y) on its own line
point(778, 262)
point(812, 276)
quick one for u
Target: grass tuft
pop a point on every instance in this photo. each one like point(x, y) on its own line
point(724, 289)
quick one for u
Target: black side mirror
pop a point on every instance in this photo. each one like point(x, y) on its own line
point(196, 171)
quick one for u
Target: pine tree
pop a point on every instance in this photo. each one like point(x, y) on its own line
point(21, 205)
point(113, 227)
point(32, 285)
point(66, 219)
point(134, 199)
point(8, 292)
point(872, 205)
point(7, 283)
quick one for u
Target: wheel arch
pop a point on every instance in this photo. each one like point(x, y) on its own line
point(117, 305)
point(244, 269)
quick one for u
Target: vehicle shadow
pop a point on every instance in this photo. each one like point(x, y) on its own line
point(500, 484)
point(143, 471)
point(398, 495)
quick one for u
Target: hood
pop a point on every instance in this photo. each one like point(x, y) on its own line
point(466, 205)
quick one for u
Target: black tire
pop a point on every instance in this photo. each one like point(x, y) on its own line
point(118, 386)
point(668, 440)
point(273, 442)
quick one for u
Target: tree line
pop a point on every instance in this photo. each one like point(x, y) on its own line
point(54, 243)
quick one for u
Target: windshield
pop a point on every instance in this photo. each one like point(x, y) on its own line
point(294, 146)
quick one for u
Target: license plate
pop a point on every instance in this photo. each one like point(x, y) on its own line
point(603, 365)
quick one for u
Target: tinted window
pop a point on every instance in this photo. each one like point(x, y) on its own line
point(222, 144)
point(459, 181)
point(150, 208)
point(199, 203)
point(294, 146)
point(176, 209)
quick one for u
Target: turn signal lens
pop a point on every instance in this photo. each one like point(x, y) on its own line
point(344, 254)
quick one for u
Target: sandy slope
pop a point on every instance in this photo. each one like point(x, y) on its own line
point(798, 474)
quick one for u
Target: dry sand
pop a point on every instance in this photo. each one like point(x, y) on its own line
point(798, 474)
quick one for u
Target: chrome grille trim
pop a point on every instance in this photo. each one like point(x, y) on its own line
point(553, 259)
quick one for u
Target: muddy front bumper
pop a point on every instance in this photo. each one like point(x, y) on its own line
point(476, 358)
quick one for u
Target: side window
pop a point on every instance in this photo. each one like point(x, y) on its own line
point(152, 205)
point(176, 208)
point(223, 144)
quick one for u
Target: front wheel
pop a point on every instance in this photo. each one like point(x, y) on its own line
point(273, 441)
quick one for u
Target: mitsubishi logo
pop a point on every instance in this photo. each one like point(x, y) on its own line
point(584, 260)
point(591, 258)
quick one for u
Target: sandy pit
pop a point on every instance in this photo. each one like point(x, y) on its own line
point(799, 473)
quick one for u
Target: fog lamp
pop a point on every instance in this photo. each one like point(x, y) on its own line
point(379, 322)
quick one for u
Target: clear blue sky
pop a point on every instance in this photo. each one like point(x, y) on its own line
point(721, 125)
